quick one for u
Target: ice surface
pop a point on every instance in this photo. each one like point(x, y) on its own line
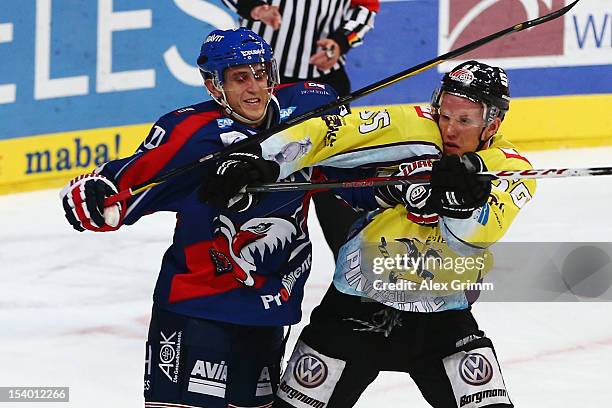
point(74, 307)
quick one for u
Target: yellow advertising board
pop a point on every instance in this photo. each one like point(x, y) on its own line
point(49, 161)
point(46, 161)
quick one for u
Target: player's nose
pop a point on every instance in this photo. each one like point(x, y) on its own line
point(252, 84)
point(448, 130)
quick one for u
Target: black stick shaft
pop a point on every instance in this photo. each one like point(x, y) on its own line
point(345, 100)
point(385, 181)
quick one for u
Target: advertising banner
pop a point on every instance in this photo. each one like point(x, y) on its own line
point(81, 81)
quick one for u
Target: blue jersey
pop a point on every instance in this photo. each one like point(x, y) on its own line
point(204, 271)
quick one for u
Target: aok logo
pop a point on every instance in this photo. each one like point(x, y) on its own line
point(464, 21)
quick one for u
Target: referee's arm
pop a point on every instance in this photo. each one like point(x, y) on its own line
point(357, 21)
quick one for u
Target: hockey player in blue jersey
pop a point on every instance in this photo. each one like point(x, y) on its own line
point(233, 277)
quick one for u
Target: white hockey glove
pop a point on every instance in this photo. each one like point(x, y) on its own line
point(83, 202)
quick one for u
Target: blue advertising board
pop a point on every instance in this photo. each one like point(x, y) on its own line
point(79, 74)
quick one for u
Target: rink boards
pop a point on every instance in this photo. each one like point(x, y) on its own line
point(81, 81)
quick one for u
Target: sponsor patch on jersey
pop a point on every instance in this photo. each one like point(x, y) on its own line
point(208, 378)
point(314, 85)
point(183, 110)
point(310, 371)
point(169, 354)
point(286, 112)
point(484, 214)
point(306, 371)
point(288, 282)
point(264, 383)
point(475, 369)
point(224, 123)
point(476, 379)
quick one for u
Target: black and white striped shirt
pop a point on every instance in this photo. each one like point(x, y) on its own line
point(304, 22)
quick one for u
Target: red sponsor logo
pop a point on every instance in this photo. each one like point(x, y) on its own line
point(464, 21)
point(314, 85)
point(462, 75)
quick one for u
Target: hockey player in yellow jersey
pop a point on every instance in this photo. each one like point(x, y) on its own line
point(392, 305)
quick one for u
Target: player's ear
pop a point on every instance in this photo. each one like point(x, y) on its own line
point(492, 128)
point(211, 88)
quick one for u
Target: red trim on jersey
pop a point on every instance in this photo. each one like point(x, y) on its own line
point(151, 162)
point(426, 114)
point(211, 271)
point(513, 154)
point(372, 5)
point(285, 85)
point(316, 177)
point(420, 219)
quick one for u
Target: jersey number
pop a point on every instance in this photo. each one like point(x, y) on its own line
point(375, 120)
point(519, 192)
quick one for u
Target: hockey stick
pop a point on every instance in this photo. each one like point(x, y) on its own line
point(422, 179)
point(139, 188)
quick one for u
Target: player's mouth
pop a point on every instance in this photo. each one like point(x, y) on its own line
point(252, 102)
point(451, 146)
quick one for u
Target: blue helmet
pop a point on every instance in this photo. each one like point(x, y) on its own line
point(227, 48)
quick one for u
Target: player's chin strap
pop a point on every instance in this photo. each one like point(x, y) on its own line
point(484, 143)
point(232, 113)
point(488, 118)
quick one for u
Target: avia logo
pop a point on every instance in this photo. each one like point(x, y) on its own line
point(211, 371)
point(213, 38)
point(464, 21)
point(475, 369)
point(310, 371)
point(208, 378)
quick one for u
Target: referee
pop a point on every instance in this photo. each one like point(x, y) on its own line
point(310, 39)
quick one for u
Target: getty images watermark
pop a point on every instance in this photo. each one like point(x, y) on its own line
point(429, 273)
point(504, 272)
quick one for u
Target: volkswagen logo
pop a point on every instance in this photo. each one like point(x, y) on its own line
point(310, 371)
point(475, 369)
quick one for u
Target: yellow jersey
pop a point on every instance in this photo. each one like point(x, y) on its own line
point(389, 257)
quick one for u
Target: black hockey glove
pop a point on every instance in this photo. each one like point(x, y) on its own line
point(456, 191)
point(232, 174)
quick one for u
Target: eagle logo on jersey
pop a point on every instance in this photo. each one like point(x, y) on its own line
point(228, 261)
point(254, 238)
